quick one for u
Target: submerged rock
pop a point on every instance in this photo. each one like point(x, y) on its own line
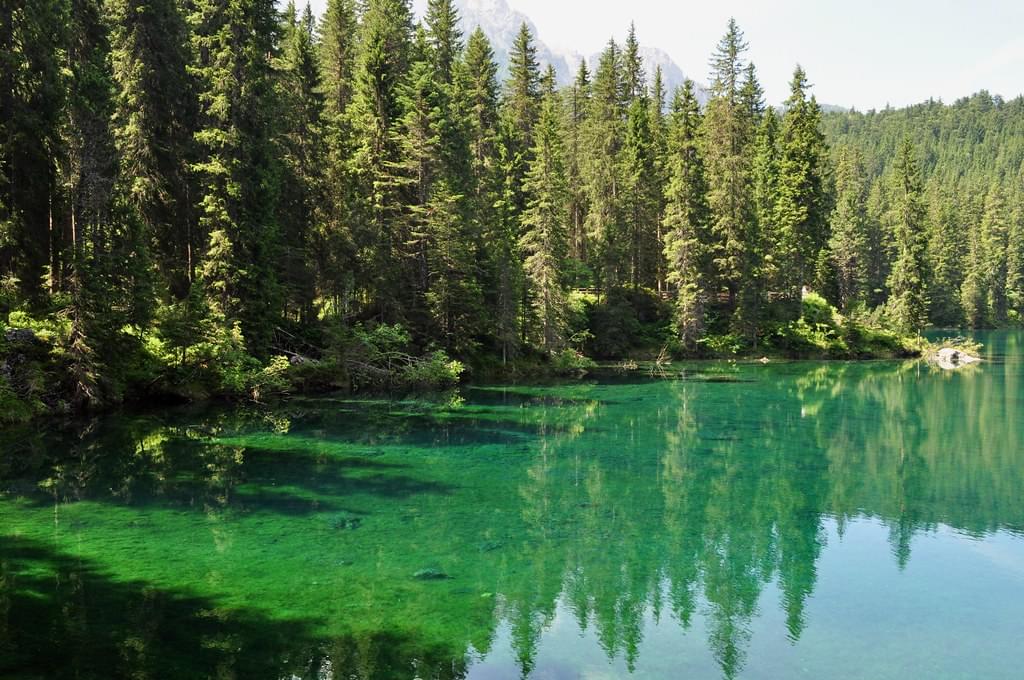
point(431, 574)
point(950, 359)
point(346, 521)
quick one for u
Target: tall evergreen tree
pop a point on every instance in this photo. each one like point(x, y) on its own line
point(577, 107)
point(641, 200)
point(382, 68)
point(802, 201)
point(154, 119)
point(32, 96)
point(1015, 252)
point(342, 208)
point(520, 110)
point(766, 187)
point(728, 134)
point(687, 216)
point(301, 148)
point(945, 260)
point(232, 43)
point(544, 230)
point(659, 142)
point(908, 302)
point(849, 241)
point(497, 227)
point(604, 140)
point(445, 38)
point(633, 80)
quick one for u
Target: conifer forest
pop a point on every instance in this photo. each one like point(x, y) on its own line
point(204, 197)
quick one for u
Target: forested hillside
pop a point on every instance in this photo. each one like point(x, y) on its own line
point(212, 196)
point(972, 161)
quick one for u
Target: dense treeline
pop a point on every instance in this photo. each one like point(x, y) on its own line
point(191, 188)
point(972, 164)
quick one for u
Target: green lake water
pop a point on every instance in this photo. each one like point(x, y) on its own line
point(794, 520)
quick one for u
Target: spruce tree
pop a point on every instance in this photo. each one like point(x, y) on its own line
point(1015, 253)
point(497, 226)
point(908, 303)
point(334, 247)
point(686, 216)
point(301, 148)
point(766, 188)
point(659, 141)
point(445, 38)
point(641, 199)
point(802, 200)
point(232, 44)
point(727, 137)
point(945, 259)
point(848, 244)
point(577, 107)
point(604, 141)
point(32, 96)
point(381, 70)
point(519, 111)
point(544, 230)
point(154, 119)
point(633, 80)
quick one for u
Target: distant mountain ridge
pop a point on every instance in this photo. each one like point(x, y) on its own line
point(500, 23)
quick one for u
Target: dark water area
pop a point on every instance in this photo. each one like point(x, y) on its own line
point(818, 520)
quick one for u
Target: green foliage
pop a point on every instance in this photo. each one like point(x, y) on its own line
point(191, 192)
point(569, 362)
point(628, 320)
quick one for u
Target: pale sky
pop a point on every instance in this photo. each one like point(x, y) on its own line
point(862, 53)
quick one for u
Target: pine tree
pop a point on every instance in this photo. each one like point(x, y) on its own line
point(728, 135)
point(659, 143)
point(801, 206)
point(382, 68)
point(441, 247)
point(766, 188)
point(520, 110)
point(945, 259)
point(908, 303)
point(995, 227)
point(32, 96)
point(1015, 253)
point(445, 38)
point(301, 148)
point(334, 248)
point(544, 230)
point(233, 42)
point(154, 119)
point(633, 85)
point(109, 267)
point(519, 116)
point(686, 216)
point(849, 241)
point(577, 107)
point(641, 196)
point(497, 227)
point(604, 141)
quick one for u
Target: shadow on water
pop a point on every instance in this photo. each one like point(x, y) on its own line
point(166, 467)
point(62, 617)
point(688, 499)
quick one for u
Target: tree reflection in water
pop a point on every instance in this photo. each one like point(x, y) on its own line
point(210, 545)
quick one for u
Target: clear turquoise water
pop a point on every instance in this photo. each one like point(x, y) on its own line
point(799, 520)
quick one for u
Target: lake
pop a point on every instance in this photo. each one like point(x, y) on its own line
point(793, 520)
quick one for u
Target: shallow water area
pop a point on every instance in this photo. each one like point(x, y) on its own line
point(819, 520)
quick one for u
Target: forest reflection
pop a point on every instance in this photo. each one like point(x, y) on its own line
point(677, 498)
